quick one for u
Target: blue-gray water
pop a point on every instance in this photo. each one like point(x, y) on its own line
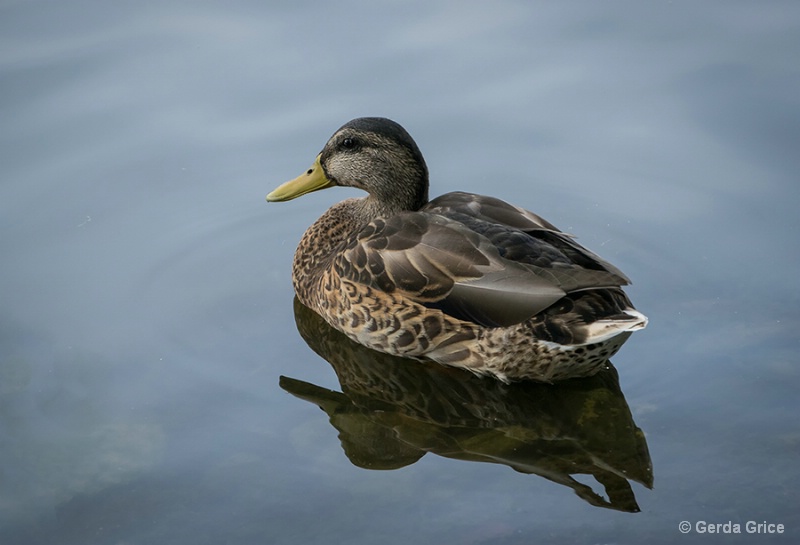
point(145, 297)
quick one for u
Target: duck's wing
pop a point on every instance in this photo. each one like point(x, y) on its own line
point(445, 263)
point(439, 262)
point(500, 221)
point(489, 209)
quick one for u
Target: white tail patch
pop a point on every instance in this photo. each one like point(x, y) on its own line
point(603, 330)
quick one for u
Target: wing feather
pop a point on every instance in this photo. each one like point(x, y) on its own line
point(476, 258)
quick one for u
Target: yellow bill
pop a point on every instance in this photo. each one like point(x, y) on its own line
point(311, 180)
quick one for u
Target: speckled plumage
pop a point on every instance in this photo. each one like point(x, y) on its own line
point(390, 412)
point(465, 280)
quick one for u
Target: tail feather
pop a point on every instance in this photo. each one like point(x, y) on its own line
point(602, 330)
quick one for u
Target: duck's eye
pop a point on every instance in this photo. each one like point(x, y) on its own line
point(349, 143)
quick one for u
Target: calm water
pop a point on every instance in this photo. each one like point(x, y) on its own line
point(155, 386)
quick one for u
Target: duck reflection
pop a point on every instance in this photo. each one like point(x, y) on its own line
point(392, 411)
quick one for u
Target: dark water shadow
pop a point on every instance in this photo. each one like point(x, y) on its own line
point(392, 411)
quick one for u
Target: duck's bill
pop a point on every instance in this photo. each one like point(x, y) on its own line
point(313, 179)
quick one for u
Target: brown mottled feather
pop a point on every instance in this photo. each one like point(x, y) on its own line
point(466, 280)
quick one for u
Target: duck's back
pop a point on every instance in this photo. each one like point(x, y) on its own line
point(481, 260)
point(525, 237)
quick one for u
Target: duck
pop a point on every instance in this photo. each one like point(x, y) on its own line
point(465, 280)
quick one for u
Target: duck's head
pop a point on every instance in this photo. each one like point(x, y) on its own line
point(371, 153)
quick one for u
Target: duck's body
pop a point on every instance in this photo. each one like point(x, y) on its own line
point(465, 280)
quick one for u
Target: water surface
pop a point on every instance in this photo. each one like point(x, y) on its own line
point(146, 310)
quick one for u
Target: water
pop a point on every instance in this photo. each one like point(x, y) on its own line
point(146, 311)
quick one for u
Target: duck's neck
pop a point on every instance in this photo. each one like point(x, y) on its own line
point(389, 197)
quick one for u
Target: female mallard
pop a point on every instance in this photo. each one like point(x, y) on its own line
point(465, 280)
